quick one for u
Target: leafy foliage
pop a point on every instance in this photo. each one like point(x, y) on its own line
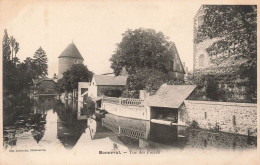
point(88, 106)
point(130, 94)
point(143, 54)
point(140, 48)
point(40, 61)
point(112, 92)
point(235, 54)
point(70, 79)
point(150, 80)
point(194, 124)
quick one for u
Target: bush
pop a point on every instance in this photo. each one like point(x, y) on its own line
point(194, 124)
point(130, 94)
point(88, 106)
point(111, 92)
point(216, 128)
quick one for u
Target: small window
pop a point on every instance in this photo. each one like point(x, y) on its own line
point(205, 115)
point(83, 90)
point(234, 120)
point(205, 143)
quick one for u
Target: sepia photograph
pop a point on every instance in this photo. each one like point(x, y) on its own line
point(129, 82)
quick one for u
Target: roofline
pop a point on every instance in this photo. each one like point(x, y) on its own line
point(44, 80)
point(173, 44)
point(110, 85)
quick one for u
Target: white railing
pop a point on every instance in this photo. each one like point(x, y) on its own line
point(124, 101)
point(113, 100)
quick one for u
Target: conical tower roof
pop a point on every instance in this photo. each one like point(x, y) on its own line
point(71, 51)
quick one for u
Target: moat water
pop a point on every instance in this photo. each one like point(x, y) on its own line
point(48, 122)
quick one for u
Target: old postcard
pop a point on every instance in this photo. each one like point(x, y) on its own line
point(129, 82)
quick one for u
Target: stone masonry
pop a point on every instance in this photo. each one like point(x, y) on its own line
point(238, 118)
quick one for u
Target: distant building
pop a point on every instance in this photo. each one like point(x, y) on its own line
point(201, 58)
point(44, 86)
point(67, 58)
point(173, 62)
point(100, 82)
point(186, 70)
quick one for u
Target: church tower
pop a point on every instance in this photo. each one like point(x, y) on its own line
point(67, 58)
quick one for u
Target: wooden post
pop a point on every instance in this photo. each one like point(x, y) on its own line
point(120, 100)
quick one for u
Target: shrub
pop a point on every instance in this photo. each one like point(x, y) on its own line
point(130, 94)
point(194, 124)
point(88, 106)
point(111, 92)
point(216, 128)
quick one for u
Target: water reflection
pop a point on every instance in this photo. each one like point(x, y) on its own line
point(46, 120)
point(145, 134)
point(68, 127)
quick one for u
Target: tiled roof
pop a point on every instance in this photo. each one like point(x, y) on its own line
point(110, 80)
point(71, 51)
point(171, 96)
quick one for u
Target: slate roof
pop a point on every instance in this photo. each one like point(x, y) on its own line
point(171, 96)
point(110, 80)
point(71, 51)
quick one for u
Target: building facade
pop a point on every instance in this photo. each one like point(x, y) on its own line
point(173, 62)
point(231, 82)
point(43, 86)
point(69, 57)
point(100, 82)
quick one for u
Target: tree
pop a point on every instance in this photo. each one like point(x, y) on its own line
point(79, 73)
point(111, 92)
point(70, 79)
point(6, 47)
point(150, 80)
point(88, 106)
point(40, 60)
point(140, 48)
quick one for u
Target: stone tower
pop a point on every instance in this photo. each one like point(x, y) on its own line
point(201, 58)
point(67, 58)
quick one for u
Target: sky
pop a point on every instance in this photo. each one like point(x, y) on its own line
point(96, 27)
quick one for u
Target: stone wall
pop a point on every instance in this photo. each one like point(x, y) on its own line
point(127, 111)
point(65, 63)
point(239, 118)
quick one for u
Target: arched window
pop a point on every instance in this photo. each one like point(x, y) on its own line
point(201, 60)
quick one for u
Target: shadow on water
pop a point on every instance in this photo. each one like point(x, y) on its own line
point(144, 134)
point(32, 116)
point(69, 128)
point(45, 120)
